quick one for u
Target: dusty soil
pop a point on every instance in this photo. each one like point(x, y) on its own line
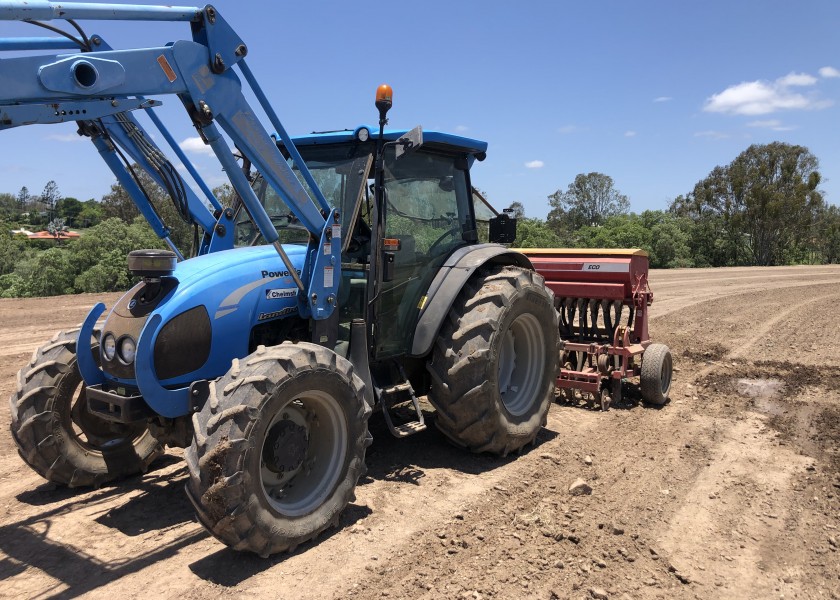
point(732, 490)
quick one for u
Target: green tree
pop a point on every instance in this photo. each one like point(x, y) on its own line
point(50, 197)
point(11, 286)
point(775, 186)
point(517, 210)
point(69, 210)
point(23, 199)
point(828, 235)
point(670, 238)
point(618, 231)
point(534, 233)
point(760, 209)
point(225, 194)
point(118, 204)
point(98, 259)
point(8, 206)
point(91, 214)
point(589, 200)
point(48, 274)
point(12, 249)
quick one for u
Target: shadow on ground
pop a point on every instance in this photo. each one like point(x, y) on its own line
point(154, 502)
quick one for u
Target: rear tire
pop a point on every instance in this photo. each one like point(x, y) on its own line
point(278, 448)
point(494, 364)
point(58, 437)
point(655, 380)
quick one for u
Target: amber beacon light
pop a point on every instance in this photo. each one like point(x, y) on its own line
point(384, 100)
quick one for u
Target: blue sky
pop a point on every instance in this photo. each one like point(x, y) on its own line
point(653, 94)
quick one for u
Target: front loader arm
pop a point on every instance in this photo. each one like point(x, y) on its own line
point(99, 86)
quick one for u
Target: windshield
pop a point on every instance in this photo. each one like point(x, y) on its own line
point(339, 171)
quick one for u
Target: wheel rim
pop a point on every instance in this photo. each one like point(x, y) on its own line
point(302, 453)
point(521, 364)
point(665, 374)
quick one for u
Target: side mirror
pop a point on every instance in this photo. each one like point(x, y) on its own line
point(409, 142)
point(503, 229)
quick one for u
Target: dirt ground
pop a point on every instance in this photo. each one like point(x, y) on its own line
point(732, 490)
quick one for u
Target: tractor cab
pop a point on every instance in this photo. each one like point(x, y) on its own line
point(429, 213)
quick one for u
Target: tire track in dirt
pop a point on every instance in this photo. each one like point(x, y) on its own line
point(679, 303)
point(742, 495)
point(723, 281)
point(771, 323)
point(716, 517)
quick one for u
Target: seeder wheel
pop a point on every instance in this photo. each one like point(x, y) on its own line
point(657, 367)
point(605, 399)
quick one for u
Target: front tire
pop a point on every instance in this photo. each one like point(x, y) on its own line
point(494, 364)
point(278, 448)
point(55, 433)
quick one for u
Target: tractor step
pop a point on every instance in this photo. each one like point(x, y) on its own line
point(399, 394)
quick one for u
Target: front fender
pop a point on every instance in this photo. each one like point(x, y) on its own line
point(90, 371)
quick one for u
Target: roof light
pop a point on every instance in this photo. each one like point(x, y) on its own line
point(384, 95)
point(384, 100)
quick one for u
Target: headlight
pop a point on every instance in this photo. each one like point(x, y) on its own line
point(127, 350)
point(109, 346)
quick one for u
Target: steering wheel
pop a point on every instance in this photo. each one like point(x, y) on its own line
point(450, 232)
point(283, 224)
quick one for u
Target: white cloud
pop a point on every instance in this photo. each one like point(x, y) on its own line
point(714, 135)
point(461, 128)
point(663, 99)
point(630, 133)
point(765, 97)
point(567, 129)
point(534, 164)
point(195, 145)
point(768, 123)
point(66, 137)
point(773, 124)
point(796, 79)
point(829, 72)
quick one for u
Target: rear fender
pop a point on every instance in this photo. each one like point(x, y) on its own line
point(449, 281)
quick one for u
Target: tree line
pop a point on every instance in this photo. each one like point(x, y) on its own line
point(37, 210)
point(95, 262)
point(764, 208)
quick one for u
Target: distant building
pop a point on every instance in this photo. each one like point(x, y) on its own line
point(46, 235)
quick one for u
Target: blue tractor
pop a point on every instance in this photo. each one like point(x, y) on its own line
point(348, 276)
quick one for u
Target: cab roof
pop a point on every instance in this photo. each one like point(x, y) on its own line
point(448, 141)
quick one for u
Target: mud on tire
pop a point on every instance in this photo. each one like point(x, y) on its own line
point(278, 448)
point(494, 364)
point(58, 437)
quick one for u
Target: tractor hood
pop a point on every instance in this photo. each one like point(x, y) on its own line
point(189, 326)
